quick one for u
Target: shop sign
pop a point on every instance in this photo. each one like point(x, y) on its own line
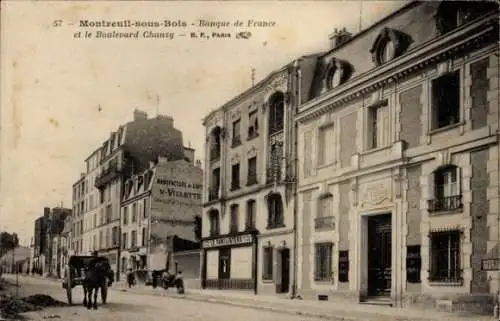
point(228, 241)
point(490, 264)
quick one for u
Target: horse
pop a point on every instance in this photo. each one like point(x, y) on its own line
point(96, 277)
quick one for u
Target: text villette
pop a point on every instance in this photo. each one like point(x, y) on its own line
point(132, 23)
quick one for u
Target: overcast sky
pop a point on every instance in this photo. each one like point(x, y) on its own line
point(62, 96)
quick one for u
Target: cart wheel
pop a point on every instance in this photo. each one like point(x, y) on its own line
point(104, 292)
point(69, 287)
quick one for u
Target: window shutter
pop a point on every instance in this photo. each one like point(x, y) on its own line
point(458, 184)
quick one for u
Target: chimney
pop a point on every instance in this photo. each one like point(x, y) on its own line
point(140, 115)
point(168, 120)
point(339, 37)
point(46, 211)
point(198, 163)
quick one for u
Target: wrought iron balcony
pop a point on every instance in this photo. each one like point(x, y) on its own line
point(444, 204)
point(108, 175)
point(213, 194)
point(273, 174)
point(324, 223)
point(252, 178)
point(275, 127)
point(236, 141)
point(214, 154)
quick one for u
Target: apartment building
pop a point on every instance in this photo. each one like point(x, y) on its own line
point(97, 194)
point(399, 159)
point(248, 204)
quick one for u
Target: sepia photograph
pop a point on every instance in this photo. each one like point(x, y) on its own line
point(270, 160)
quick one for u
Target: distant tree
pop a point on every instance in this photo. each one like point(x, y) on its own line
point(197, 227)
point(8, 242)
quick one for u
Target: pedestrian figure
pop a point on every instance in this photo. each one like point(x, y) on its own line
point(179, 282)
point(130, 278)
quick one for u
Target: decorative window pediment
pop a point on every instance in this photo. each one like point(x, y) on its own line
point(337, 72)
point(389, 44)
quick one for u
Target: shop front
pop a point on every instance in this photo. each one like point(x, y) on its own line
point(230, 262)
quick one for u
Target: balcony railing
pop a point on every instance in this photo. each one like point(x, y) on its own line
point(444, 204)
point(252, 178)
point(273, 175)
point(214, 154)
point(107, 175)
point(236, 141)
point(275, 127)
point(324, 223)
point(213, 194)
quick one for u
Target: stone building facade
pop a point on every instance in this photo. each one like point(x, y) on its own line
point(399, 161)
point(248, 204)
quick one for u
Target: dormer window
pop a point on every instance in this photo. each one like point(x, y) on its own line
point(337, 73)
point(389, 45)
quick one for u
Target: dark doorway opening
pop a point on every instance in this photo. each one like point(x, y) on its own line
point(379, 255)
point(284, 258)
point(224, 263)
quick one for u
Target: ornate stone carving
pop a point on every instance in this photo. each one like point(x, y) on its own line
point(236, 115)
point(252, 152)
point(376, 194)
point(388, 45)
point(235, 159)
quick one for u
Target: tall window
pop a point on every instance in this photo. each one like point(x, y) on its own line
point(133, 238)
point(134, 213)
point(235, 177)
point(213, 192)
point(326, 145)
point(267, 263)
point(144, 236)
point(343, 266)
point(114, 236)
point(275, 211)
point(325, 218)
point(323, 260)
point(125, 215)
point(446, 100)
point(252, 171)
point(109, 213)
point(276, 112)
point(215, 144)
point(124, 241)
point(273, 173)
point(250, 218)
point(234, 218)
point(214, 222)
point(145, 208)
point(445, 257)
point(253, 125)
point(378, 126)
point(447, 194)
point(236, 133)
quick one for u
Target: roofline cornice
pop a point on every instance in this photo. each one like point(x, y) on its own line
point(433, 51)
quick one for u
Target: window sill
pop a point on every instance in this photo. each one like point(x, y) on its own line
point(443, 283)
point(324, 282)
point(445, 128)
point(274, 227)
point(326, 165)
point(369, 151)
point(252, 137)
point(447, 212)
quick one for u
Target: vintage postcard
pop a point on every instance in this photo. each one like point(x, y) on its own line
point(264, 160)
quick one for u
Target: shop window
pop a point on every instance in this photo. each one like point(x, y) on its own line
point(445, 257)
point(267, 263)
point(446, 100)
point(343, 266)
point(224, 263)
point(276, 112)
point(250, 218)
point(235, 177)
point(413, 264)
point(236, 138)
point(275, 211)
point(234, 219)
point(447, 191)
point(323, 262)
point(253, 125)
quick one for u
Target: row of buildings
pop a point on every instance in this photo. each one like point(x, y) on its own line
point(138, 199)
point(369, 171)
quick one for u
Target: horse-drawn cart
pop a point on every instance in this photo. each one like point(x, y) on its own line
point(74, 274)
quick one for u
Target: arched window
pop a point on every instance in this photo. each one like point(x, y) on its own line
point(276, 112)
point(233, 228)
point(215, 143)
point(447, 190)
point(275, 211)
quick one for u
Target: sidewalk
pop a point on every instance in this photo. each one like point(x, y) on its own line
point(328, 310)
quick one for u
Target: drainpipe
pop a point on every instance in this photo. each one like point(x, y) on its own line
point(297, 102)
point(496, 310)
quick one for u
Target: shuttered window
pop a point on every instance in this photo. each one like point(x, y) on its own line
point(326, 144)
